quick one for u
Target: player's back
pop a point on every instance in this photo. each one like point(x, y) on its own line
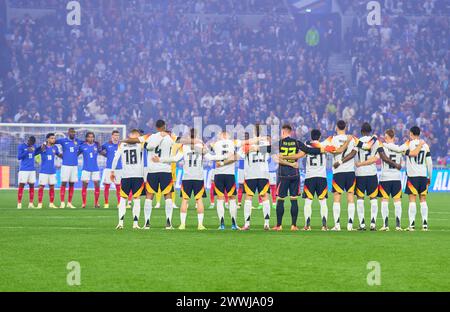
point(315, 165)
point(225, 147)
point(288, 146)
point(364, 155)
point(132, 160)
point(163, 150)
point(338, 141)
point(193, 163)
point(389, 173)
point(256, 163)
point(417, 166)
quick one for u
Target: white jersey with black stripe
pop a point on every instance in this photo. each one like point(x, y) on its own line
point(132, 159)
point(417, 166)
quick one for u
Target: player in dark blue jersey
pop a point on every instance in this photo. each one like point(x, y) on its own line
point(69, 168)
point(289, 176)
point(109, 150)
point(47, 175)
point(27, 171)
point(90, 150)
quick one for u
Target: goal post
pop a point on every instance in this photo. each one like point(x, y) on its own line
point(14, 134)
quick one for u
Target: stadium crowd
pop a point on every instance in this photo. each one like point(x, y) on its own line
point(135, 69)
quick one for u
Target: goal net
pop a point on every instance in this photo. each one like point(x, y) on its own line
point(14, 134)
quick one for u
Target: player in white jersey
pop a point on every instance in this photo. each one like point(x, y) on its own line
point(390, 179)
point(366, 173)
point(343, 175)
point(256, 176)
point(224, 178)
point(419, 170)
point(316, 177)
point(132, 179)
point(158, 175)
point(193, 155)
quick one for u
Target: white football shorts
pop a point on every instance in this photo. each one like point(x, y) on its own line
point(90, 175)
point(26, 177)
point(107, 178)
point(69, 173)
point(47, 179)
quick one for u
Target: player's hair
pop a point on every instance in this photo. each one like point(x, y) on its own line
point(366, 128)
point(315, 134)
point(246, 136)
point(70, 129)
point(286, 127)
point(115, 131)
point(135, 131)
point(415, 130)
point(160, 124)
point(341, 125)
point(32, 139)
point(390, 133)
point(89, 133)
point(49, 135)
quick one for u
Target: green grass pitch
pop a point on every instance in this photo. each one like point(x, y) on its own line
point(36, 246)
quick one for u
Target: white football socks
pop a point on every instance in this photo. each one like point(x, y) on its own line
point(220, 210)
point(412, 213)
point(183, 217)
point(147, 210)
point(200, 218)
point(360, 210)
point(398, 213)
point(233, 211)
point(247, 211)
point(266, 211)
point(323, 211)
point(169, 211)
point(385, 212)
point(336, 213)
point(424, 212)
point(122, 210)
point(373, 211)
point(308, 211)
point(136, 210)
point(351, 213)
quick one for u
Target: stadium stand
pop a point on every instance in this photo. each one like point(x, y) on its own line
point(133, 62)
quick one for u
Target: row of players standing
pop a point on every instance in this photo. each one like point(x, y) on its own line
point(363, 181)
point(71, 148)
point(349, 174)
